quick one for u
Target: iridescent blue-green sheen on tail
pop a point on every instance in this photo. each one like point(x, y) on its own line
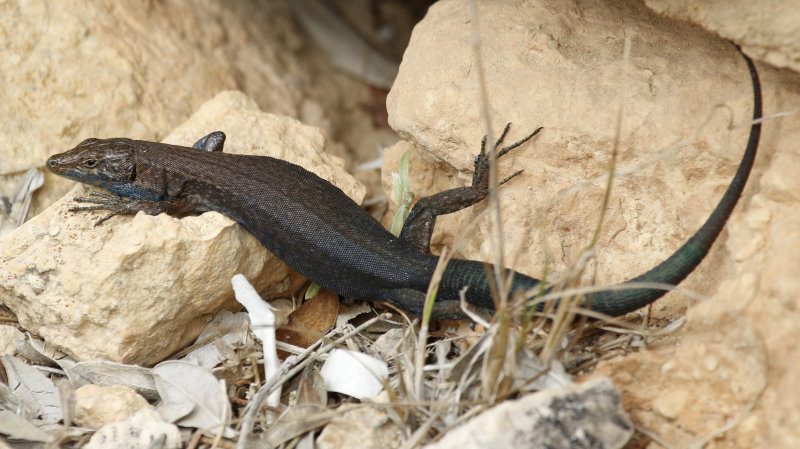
point(671, 271)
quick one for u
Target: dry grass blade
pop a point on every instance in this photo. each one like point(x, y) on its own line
point(289, 368)
point(430, 297)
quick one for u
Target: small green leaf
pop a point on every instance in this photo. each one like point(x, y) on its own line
point(312, 290)
point(401, 192)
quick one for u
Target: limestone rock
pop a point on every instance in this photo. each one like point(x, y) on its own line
point(766, 30)
point(96, 406)
point(738, 350)
point(362, 427)
point(7, 336)
point(546, 67)
point(75, 69)
point(586, 415)
point(251, 131)
point(92, 69)
point(562, 68)
point(136, 289)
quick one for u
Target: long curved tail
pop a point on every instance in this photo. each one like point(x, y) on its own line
point(671, 271)
point(677, 266)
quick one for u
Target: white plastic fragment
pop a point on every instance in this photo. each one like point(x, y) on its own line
point(262, 322)
point(354, 374)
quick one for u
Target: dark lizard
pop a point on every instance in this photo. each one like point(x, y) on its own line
point(320, 232)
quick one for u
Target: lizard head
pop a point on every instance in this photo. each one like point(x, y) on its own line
point(106, 163)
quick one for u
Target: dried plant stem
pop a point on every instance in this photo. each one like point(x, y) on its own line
point(290, 367)
point(422, 341)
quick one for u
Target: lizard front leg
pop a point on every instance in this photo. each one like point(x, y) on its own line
point(419, 225)
point(125, 206)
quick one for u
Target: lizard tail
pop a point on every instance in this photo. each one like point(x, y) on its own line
point(619, 301)
point(681, 263)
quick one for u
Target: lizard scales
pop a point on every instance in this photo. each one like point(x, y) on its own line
point(324, 235)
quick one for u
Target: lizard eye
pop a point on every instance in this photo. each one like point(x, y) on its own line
point(90, 163)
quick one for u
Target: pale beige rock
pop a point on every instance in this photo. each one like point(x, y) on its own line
point(96, 406)
point(77, 69)
point(670, 403)
point(249, 130)
point(559, 68)
point(362, 427)
point(546, 66)
point(580, 415)
point(766, 30)
point(740, 346)
point(131, 291)
point(136, 289)
point(144, 429)
point(677, 394)
point(7, 336)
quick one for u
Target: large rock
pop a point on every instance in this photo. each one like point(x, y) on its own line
point(588, 415)
point(553, 71)
point(136, 289)
point(77, 69)
point(563, 68)
point(96, 406)
point(766, 30)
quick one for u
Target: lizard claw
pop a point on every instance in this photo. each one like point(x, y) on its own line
point(102, 201)
point(480, 176)
point(505, 150)
point(508, 178)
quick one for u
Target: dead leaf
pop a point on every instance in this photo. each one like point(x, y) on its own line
point(218, 342)
point(182, 384)
point(37, 392)
point(14, 211)
point(17, 427)
point(311, 320)
point(106, 373)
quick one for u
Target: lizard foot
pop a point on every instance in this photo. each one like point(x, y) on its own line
point(480, 177)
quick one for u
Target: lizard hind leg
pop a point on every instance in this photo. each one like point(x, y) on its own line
point(418, 228)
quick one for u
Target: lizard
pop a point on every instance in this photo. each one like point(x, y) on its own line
point(327, 237)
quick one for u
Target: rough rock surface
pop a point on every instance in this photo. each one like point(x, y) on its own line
point(766, 30)
point(7, 336)
point(138, 289)
point(586, 415)
point(75, 69)
point(737, 361)
point(363, 427)
point(96, 406)
point(554, 72)
point(563, 68)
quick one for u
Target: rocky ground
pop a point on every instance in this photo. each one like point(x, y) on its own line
point(676, 106)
